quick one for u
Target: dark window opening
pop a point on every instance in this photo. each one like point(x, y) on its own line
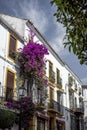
point(12, 47)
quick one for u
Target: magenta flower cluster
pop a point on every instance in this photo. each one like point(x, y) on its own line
point(31, 59)
point(25, 106)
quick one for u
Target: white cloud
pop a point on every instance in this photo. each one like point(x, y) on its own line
point(47, 25)
point(57, 39)
point(31, 10)
point(84, 80)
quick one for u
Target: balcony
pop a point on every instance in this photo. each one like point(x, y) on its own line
point(55, 107)
point(39, 98)
point(75, 86)
point(80, 91)
point(72, 88)
point(79, 111)
point(81, 97)
point(40, 105)
point(51, 76)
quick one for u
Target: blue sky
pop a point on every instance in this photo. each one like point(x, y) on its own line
point(40, 12)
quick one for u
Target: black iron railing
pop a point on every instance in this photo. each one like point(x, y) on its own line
point(56, 106)
point(79, 110)
point(76, 118)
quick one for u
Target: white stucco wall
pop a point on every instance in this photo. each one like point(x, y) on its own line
point(16, 23)
point(22, 29)
point(5, 62)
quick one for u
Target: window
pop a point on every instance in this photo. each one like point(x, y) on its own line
point(51, 93)
point(58, 97)
point(70, 80)
point(75, 102)
point(29, 87)
point(9, 85)
point(50, 69)
point(39, 96)
point(44, 68)
point(40, 124)
point(73, 122)
point(59, 126)
point(50, 66)
point(58, 76)
point(51, 73)
point(80, 91)
point(12, 47)
point(71, 100)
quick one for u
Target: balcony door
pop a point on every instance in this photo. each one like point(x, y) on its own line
point(40, 124)
point(51, 94)
point(58, 97)
point(39, 96)
point(71, 100)
point(29, 87)
point(9, 85)
point(12, 47)
point(60, 125)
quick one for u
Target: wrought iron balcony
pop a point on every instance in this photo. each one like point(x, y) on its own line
point(77, 119)
point(40, 101)
point(75, 86)
point(52, 76)
point(79, 110)
point(56, 107)
point(39, 98)
point(72, 88)
point(40, 104)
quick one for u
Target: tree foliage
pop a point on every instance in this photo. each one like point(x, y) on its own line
point(73, 15)
point(7, 118)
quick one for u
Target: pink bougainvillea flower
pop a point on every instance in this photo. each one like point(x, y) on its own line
point(31, 59)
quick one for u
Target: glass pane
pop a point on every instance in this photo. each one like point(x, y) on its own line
point(12, 46)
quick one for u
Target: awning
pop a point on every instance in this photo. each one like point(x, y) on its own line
point(43, 116)
point(62, 121)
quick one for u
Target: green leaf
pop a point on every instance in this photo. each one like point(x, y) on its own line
point(7, 118)
point(73, 15)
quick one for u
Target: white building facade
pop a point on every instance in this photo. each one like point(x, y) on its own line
point(84, 87)
point(63, 107)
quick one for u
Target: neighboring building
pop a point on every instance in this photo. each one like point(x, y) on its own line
point(84, 87)
point(63, 108)
point(74, 103)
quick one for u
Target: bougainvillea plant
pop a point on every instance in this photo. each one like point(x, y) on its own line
point(26, 109)
point(32, 61)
